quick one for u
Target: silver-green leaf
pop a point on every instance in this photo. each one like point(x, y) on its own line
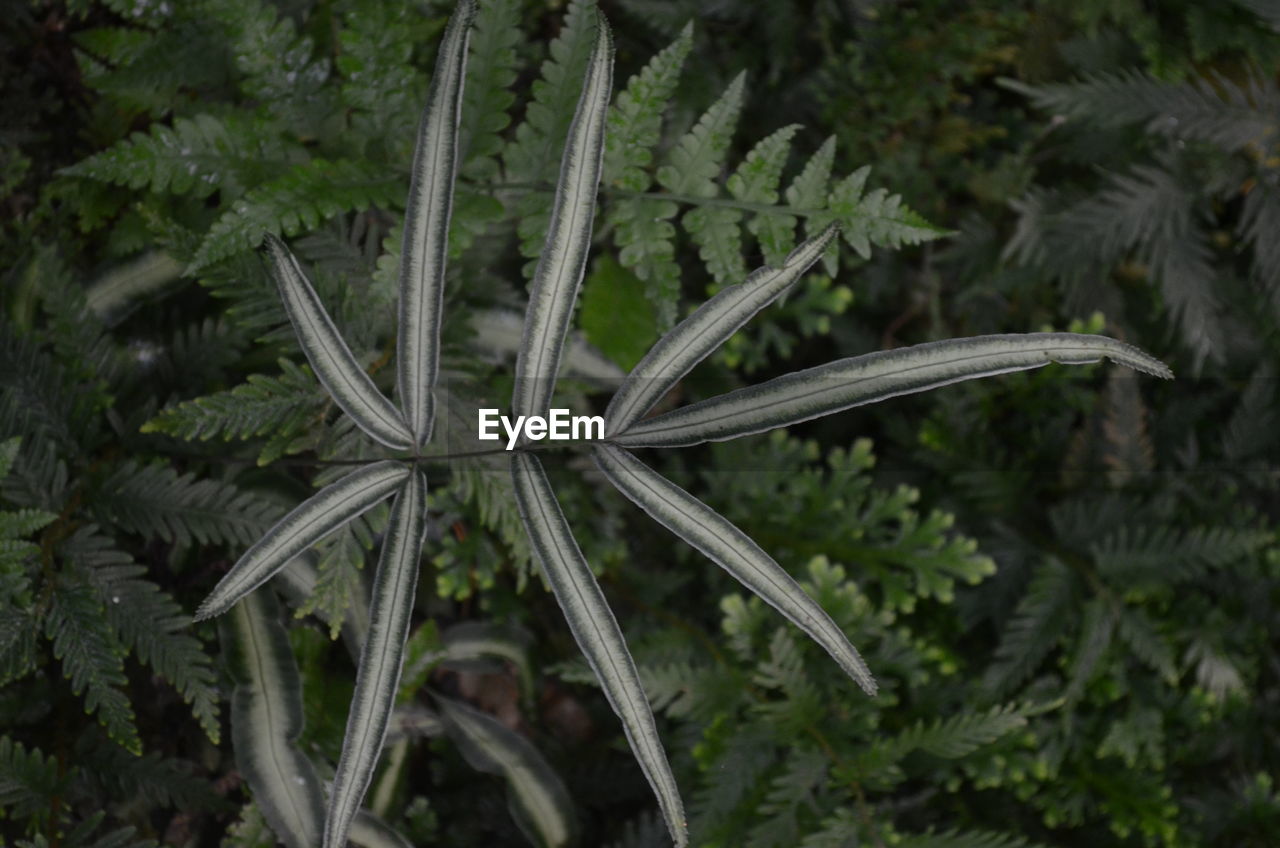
point(309, 522)
point(266, 719)
point(378, 677)
point(596, 631)
point(694, 338)
point(426, 228)
point(341, 375)
point(846, 383)
point(731, 549)
point(564, 254)
point(369, 831)
point(538, 799)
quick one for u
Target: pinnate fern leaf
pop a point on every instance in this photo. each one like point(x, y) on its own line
point(297, 200)
point(195, 156)
point(756, 181)
point(635, 121)
point(486, 96)
point(282, 407)
point(531, 156)
point(92, 659)
point(642, 227)
point(694, 164)
point(156, 501)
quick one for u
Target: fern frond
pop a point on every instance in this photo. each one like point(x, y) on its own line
point(731, 777)
point(148, 621)
point(1214, 110)
point(803, 775)
point(646, 240)
point(381, 88)
point(486, 95)
point(276, 65)
point(642, 228)
point(1137, 631)
point(838, 830)
point(338, 581)
point(635, 121)
point(195, 156)
point(1128, 449)
point(533, 155)
point(158, 780)
point(963, 839)
point(1096, 631)
point(91, 659)
point(1157, 555)
point(1259, 222)
point(297, 200)
point(1267, 10)
point(694, 164)
point(156, 501)
point(282, 407)
point(1250, 431)
point(28, 780)
point(492, 495)
point(808, 190)
point(877, 218)
point(949, 738)
point(693, 169)
point(146, 70)
point(1037, 623)
point(1149, 212)
point(756, 181)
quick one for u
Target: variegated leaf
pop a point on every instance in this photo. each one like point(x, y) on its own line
point(564, 254)
point(266, 719)
point(329, 355)
point(308, 523)
point(694, 338)
point(538, 799)
point(426, 228)
point(596, 630)
point(845, 383)
point(731, 549)
point(390, 606)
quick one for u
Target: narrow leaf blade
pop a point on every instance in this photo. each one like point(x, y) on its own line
point(596, 631)
point(379, 675)
point(564, 254)
point(694, 338)
point(536, 796)
point(306, 524)
point(426, 228)
point(266, 719)
point(329, 355)
point(845, 383)
point(731, 549)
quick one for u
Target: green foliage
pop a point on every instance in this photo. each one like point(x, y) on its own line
point(195, 156)
point(1107, 684)
point(278, 407)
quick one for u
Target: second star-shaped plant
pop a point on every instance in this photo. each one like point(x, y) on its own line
point(407, 428)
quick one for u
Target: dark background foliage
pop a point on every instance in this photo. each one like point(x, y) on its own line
point(1066, 580)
